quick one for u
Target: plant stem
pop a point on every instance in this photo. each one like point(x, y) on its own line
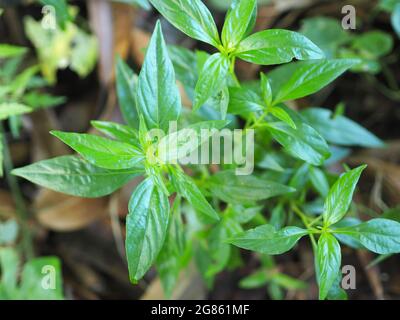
point(258, 122)
point(308, 225)
point(21, 209)
point(232, 72)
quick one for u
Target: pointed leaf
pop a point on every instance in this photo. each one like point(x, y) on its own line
point(339, 198)
point(102, 152)
point(303, 142)
point(265, 239)
point(231, 188)
point(118, 131)
point(212, 79)
point(381, 236)
point(277, 46)
point(237, 22)
point(8, 109)
point(182, 143)
point(186, 187)
point(126, 92)
point(146, 226)
point(75, 176)
point(328, 263)
point(158, 96)
point(304, 78)
point(191, 17)
point(340, 130)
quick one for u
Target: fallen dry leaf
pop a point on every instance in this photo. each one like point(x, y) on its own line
point(60, 212)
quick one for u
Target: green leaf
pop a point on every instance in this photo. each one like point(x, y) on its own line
point(158, 96)
point(328, 263)
point(288, 282)
point(9, 271)
point(243, 100)
point(191, 17)
point(243, 214)
point(41, 279)
point(339, 129)
point(8, 109)
point(373, 44)
point(186, 187)
point(37, 100)
point(62, 12)
point(265, 239)
point(212, 79)
point(336, 292)
point(74, 176)
point(231, 188)
point(272, 161)
point(20, 83)
point(277, 46)
point(255, 280)
point(126, 92)
point(9, 51)
point(237, 22)
point(343, 238)
point(304, 142)
point(294, 81)
point(339, 198)
point(118, 131)
point(395, 19)
point(185, 65)
point(327, 33)
point(146, 227)
point(84, 53)
point(381, 236)
point(223, 102)
point(102, 152)
point(173, 255)
point(319, 181)
point(219, 249)
point(266, 90)
point(281, 114)
point(182, 143)
point(388, 5)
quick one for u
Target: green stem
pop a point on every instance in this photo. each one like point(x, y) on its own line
point(232, 72)
point(258, 122)
point(21, 209)
point(308, 225)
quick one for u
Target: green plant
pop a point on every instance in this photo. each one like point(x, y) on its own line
point(269, 275)
point(19, 95)
point(393, 7)
point(295, 180)
point(60, 43)
point(40, 278)
point(370, 47)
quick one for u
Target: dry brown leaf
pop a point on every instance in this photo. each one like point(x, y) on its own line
point(389, 172)
point(60, 212)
